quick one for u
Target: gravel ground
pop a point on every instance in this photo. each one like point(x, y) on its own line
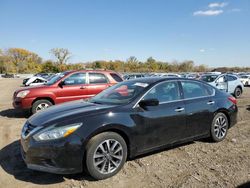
point(196, 164)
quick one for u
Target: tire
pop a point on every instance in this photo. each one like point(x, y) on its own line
point(237, 92)
point(40, 105)
point(100, 162)
point(219, 127)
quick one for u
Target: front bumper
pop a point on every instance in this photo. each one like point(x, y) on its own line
point(62, 156)
point(22, 103)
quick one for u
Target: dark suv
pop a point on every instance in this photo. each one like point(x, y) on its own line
point(66, 86)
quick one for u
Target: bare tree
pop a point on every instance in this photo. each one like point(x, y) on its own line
point(62, 54)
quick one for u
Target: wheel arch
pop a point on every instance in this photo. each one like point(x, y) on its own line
point(224, 111)
point(43, 98)
point(115, 129)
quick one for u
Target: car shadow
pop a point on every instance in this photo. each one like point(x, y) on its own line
point(244, 185)
point(11, 162)
point(248, 107)
point(13, 113)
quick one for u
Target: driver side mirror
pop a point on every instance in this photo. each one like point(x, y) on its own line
point(61, 84)
point(148, 102)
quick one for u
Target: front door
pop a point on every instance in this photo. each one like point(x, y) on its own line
point(162, 124)
point(73, 88)
point(222, 83)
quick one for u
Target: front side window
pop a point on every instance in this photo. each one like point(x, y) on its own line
point(164, 92)
point(97, 78)
point(75, 79)
point(195, 89)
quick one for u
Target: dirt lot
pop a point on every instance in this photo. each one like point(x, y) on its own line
point(196, 164)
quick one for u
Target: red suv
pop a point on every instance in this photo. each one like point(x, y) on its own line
point(66, 86)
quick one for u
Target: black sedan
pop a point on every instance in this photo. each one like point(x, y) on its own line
point(126, 120)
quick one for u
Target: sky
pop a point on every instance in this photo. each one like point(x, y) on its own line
point(215, 33)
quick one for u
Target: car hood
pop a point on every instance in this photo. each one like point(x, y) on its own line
point(32, 88)
point(67, 111)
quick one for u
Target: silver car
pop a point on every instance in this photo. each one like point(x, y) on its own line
point(227, 82)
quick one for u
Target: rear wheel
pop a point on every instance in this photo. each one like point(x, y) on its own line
point(219, 127)
point(106, 155)
point(40, 105)
point(237, 92)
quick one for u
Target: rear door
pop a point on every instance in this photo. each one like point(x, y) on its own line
point(199, 105)
point(97, 83)
point(74, 87)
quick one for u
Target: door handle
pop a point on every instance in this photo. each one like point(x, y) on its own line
point(210, 102)
point(83, 87)
point(179, 109)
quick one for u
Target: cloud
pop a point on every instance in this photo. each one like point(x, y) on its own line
point(217, 5)
point(202, 50)
point(208, 12)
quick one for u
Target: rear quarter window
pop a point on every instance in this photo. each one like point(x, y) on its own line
point(116, 77)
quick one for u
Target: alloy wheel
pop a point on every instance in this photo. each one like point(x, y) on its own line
point(220, 127)
point(108, 156)
point(42, 106)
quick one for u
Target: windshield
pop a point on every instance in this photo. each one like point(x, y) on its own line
point(55, 78)
point(209, 78)
point(121, 93)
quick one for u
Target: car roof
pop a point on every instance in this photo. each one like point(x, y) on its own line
point(160, 79)
point(98, 71)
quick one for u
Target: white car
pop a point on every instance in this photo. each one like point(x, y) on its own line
point(245, 80)
point(226, 82)
point(35, 81)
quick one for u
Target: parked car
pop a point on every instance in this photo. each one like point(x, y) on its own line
point(245, 80)
point(44, 76)
point(133, 76)
point(7, 75)
point(126, 120)
point(67, 86)
point(226, 82)
point(35, 81)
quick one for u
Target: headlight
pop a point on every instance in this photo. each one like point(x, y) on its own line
point(23, 94)
point(53, 133)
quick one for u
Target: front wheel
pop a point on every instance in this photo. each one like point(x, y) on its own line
point(106, 154)
point(40, 105)
point(219, 127)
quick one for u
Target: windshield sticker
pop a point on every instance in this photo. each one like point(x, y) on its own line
point(141, 84)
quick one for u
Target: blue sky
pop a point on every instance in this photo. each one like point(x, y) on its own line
point(216, 33)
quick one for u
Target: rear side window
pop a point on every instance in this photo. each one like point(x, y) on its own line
point(116, 77)
point(231, 78)
point(75, 79)
point(194, 89)
point(97, 78)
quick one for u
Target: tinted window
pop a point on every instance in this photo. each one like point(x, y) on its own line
point(193, 89)
point(164, 92)
point(231, 78)
point(97, 78)
point(116, 77)
point(75, 79)
point(209, 78)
